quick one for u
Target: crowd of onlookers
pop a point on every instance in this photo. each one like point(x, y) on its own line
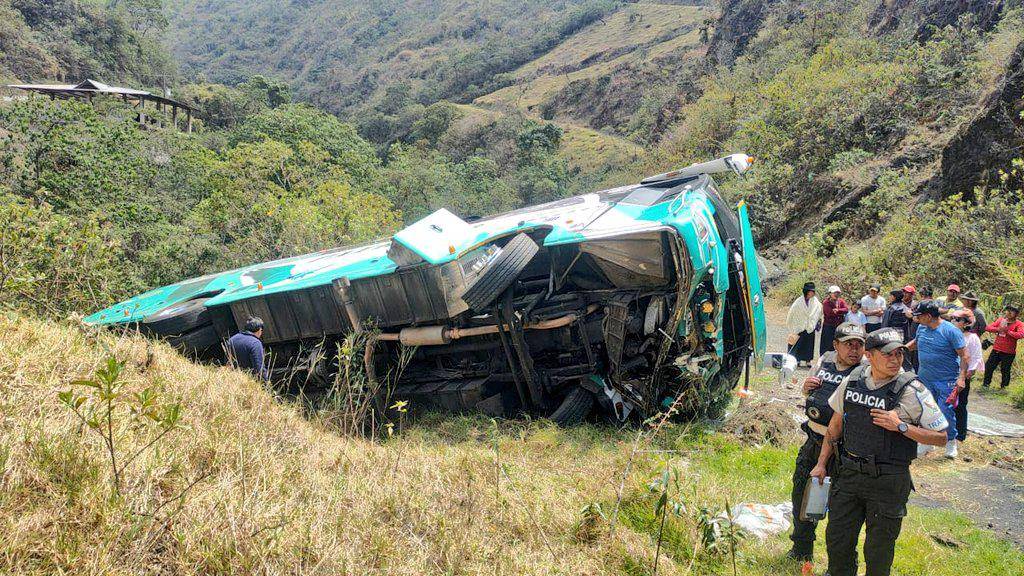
point(890, 383)
point(952, 329)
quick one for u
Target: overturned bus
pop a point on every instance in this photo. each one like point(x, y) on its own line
point(626, 301)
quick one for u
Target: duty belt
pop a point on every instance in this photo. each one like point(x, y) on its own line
point(867, 466)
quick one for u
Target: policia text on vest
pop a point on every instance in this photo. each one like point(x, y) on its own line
point(881, 414)
point(827, 376)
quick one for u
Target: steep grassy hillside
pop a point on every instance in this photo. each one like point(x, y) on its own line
point(612, 53)
point(585, 150)
point(246, 483)
point(345, 55)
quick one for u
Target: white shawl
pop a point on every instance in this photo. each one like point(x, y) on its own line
point(804, 316)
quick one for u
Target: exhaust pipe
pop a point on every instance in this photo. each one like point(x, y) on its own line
point(440, 335)
point(738, 163)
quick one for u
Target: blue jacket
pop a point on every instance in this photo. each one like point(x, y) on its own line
point(247, 350)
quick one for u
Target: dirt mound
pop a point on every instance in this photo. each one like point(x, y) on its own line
point(762, 423)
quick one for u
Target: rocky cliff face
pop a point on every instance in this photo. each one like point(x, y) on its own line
point(941, 158)
point(924, 17)
point(737, 25)
point(990, 141)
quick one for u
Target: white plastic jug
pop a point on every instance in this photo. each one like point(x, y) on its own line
point(815, 503)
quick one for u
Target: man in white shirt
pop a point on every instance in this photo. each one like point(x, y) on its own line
point(873, 306)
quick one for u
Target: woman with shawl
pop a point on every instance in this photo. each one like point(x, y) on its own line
point(803, 320)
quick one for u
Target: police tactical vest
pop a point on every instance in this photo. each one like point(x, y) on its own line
point(861, 437)
point(816, 406)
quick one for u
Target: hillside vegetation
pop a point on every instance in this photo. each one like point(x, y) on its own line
point(69, 41)
point(345, 55)
point(872, 123)
point(241, 482)
point(887, 137)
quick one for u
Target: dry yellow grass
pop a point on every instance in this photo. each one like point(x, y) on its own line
point(626, 29)
point(284, 495)
point(654, 30)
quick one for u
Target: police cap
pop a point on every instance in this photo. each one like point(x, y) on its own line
point(884, 339)
point(850, 331)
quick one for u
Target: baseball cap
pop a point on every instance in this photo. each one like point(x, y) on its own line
point(884, 339)
point(850, 331)
point(927, 307)
point(833, 288)
point(909, 288)
point(953, 287)
point(875, 287)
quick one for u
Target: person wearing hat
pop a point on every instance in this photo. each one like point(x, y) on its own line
point(881, 413)
point(834, 310)
point(830, 370)
point(803, 321)
point(970, 301)
point(873, 306)
point(909, 299)
point(942, 356)
point(1008, 331)
point(951, 301)
point(899, 316)
point(964, 320)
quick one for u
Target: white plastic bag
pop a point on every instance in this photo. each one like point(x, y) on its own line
point(762, 520)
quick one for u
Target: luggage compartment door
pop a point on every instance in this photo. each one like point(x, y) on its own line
point(751, 289)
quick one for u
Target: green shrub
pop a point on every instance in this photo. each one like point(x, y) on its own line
point(54, 265)
point(976, 244)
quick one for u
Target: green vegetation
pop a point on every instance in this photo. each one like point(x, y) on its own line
point(96, 209)
point(446, 494)
point(477, 107)
point(974, 242)
point(820, 105)
point(380, 55)
point(73, 40)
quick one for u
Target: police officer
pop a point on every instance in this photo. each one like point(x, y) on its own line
point(830, 370)
point(881, 413)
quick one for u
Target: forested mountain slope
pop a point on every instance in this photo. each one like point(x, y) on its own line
point(874, 122)
point(345, 54)
point(859, 110)
point(69, 40)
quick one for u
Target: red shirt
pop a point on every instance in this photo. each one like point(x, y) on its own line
point(835, 312)
point(1006, 343)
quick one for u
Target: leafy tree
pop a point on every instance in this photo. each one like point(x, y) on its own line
point(52, 264)
point(293, 124)
point(423, 181)
point(220, 106)
point(435, 121)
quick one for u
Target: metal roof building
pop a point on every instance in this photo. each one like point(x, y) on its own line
point(87, 89)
